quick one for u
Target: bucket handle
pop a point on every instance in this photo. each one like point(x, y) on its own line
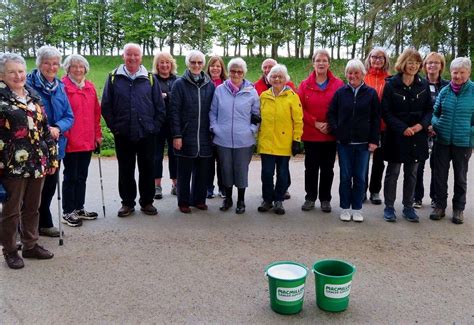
point(305, 267)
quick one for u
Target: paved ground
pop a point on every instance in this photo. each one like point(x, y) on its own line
point(208, 267)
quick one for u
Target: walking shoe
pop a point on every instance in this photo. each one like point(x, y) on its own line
point(307, 205)
point(158, 192)
point(357, 216)
point(149, 209)
point(14, 261)
point(417, 204)
point(326, 206)
point(37, 252)
point(49, 232)
point(458, 217)
point(375, 198)
point(345, 215)
point(71, 220)
point(86, 215)
point(185, 209)
point(278, 208)
point(286, 196)
point(201, 206)
point(410, 215)
point(174, 190)
point(437, 214)
point(226, 204)
point(125, 211)
point(389, 214)
point(265, 206)
point(240, 207)
point(433, 204)
point(222, 193)
point(210, 195)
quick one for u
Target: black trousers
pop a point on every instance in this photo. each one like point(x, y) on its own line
point(49, 188)
point(378, 166)
point(319, 164)
point(193, 174)
point(128, 152)
point(76, 169)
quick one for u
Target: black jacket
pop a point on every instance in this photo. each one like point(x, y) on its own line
point(189, 115)
point(402, 107)
point(355, 119)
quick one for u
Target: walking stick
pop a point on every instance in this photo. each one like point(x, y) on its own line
point(59, 207)
point(97, 151)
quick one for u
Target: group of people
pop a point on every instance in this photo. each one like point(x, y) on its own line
point(212, 117)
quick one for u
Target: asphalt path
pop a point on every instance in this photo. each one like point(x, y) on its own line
point(208, 266)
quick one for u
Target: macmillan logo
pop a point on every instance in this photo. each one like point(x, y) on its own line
point(337, 291)
point(290, 294)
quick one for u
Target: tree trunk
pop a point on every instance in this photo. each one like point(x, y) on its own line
point(463, 31)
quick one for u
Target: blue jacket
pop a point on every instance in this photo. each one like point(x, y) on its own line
point(453, 117)
point(230, 116)
point(57, 108)
point(189, 115)
point(133, 108)
point(355, 118)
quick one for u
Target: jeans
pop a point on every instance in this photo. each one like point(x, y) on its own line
point(443, 155)
point(162, 138)
point(76, 168)
point(319, 163)
point(194, 172)
point(129, 152)
point(391, 179)
point(274, 192)
point(353, 161)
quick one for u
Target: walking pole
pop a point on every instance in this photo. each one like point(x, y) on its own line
point(97, 151)
point(59, 207)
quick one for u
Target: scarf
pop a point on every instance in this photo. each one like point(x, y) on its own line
point(45, 84)
point(455, 88)
point(233, 88)
point(79, 85)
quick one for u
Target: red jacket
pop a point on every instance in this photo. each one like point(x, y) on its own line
point(315, 103)
point(260, 85)
point(375, 78)
point(86, 129)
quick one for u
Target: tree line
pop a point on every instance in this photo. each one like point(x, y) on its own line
point(349, 28)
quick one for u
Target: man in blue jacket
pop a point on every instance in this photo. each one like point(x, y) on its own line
point(134, 111)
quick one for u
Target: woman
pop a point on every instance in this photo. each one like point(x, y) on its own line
point(279, 137)
point(83, 138)
point(53, 96)
point(354, 118)
point(234, 104)
point(316, 93)
point(191, 98)
point(377, 64)
point(433, 66)
point(165, 70)
point(27, 154)
point(406, 109)
point(218, 74)
point(453, 124)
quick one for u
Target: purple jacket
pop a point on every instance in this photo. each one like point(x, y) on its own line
point(230, 116)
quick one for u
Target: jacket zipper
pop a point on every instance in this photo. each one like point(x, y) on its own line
point(199, 121)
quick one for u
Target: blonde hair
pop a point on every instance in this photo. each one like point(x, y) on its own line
point(213, 59)
point(166, 56)
point(376, 49)
point(407, 55)
point(438, 56)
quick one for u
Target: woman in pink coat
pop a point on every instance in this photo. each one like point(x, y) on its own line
point(83, 138)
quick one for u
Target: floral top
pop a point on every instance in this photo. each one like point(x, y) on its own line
point(27, 148)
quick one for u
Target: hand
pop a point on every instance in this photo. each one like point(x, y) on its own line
point(178, 143)
point(324, 128)
point(295, 148)
point(97, 148)
point(50, 171)
point(55, 132)
point(417, 128)
point(408, 132)
point(164, 95)
point(431, 131)
point(372, 147)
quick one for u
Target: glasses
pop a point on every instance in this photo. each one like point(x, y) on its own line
point(433, 63)
point(413, 63)
point(377, 58)
point(236, 72)
point(277, 77)
point(196, 62)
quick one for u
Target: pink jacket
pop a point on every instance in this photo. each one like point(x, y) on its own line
point(86, 129)
point(315, 103)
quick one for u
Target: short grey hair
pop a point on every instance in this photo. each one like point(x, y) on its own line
point(269, 60)
point(321, 52)
point(460, 63)
point(71, 59)
point(135, 45)
point(279, 68)
point(47, 52)
point(355, 64)
point(376, 49)
point(193, 54)
point(237, 62)
point(6, 57)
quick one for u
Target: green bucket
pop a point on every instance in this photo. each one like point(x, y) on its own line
point(286, 280)
point(333, 279)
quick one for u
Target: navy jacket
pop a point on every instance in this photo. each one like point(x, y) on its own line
point(402, 107)
point(355, 119)
point(189, 115)
point(133, 108)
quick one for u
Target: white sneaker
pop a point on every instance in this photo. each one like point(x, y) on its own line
point(357, 216)
point(345, 215)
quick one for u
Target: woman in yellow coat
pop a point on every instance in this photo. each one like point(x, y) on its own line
point(279, 137)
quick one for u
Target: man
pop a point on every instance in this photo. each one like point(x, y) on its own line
point(263, 84)
point(134, 111)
